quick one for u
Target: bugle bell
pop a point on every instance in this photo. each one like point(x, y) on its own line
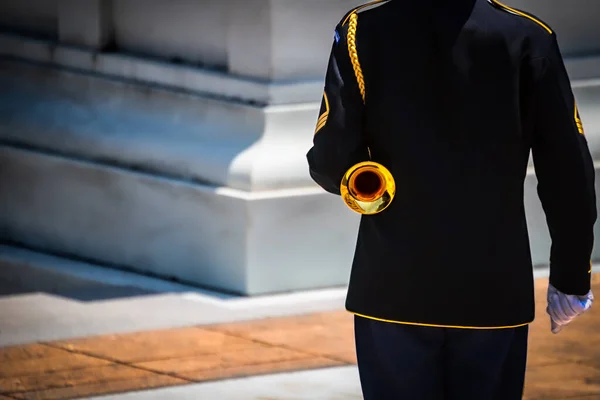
point(368, 188)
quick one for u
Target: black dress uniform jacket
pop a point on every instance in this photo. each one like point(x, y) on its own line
point(452, 97)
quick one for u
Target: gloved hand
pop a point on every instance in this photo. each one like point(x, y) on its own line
point(564, 308)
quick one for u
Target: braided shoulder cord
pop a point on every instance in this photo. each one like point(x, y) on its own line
point(360, 79)
point(353, 25)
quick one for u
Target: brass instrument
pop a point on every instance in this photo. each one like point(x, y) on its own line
point(368, 188)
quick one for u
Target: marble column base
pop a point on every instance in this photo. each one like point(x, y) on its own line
point(219, 238)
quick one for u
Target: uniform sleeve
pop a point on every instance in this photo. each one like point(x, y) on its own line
point(565, 172)
point(339, 141)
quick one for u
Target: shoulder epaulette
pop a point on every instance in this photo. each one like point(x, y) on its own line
point(346, 18)
point(520, 13)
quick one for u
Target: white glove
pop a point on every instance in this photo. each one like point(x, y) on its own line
point(564, 308)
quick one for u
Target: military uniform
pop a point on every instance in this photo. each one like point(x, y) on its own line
point(453, 103)
point(452, 97)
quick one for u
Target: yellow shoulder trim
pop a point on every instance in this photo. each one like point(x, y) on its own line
point(323, 118)
point(357, 9)
point(522, 14)
point(439, 326)
point(353, 52)
point(578, 121)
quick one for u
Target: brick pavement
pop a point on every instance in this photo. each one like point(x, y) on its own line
point(560, 367)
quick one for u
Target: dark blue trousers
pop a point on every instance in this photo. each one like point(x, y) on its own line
point(405, 362)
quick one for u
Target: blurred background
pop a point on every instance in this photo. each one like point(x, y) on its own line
point(153, 171)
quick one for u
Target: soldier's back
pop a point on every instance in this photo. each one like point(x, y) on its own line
point(448, 110)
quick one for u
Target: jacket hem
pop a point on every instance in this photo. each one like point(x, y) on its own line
point(438, 325)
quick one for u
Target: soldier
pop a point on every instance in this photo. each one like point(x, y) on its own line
point(452, 96)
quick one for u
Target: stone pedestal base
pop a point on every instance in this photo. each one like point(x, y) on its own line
point(219, 238)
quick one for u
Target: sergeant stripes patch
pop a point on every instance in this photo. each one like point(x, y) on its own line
point(578, 121)
point(323, 117)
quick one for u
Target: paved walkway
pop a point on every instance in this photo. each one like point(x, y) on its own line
point(560, 367)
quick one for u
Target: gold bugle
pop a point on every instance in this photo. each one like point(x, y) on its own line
point(368, 188)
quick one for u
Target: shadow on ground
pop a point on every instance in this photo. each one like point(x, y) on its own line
point(23, 271)
point(16, 279)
